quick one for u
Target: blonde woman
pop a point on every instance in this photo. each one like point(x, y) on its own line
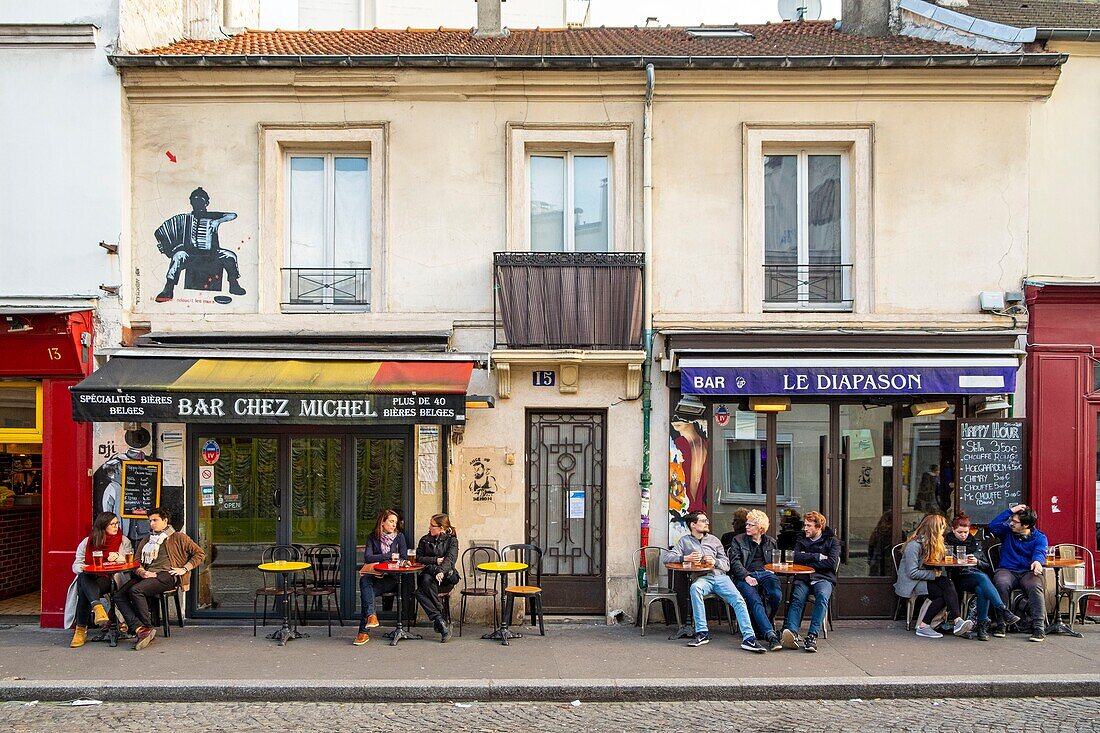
point(438, 551)
point(926, 545)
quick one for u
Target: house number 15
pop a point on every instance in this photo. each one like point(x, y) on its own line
point(544, 378)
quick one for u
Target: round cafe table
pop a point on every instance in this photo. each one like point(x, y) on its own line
point(501, 632)
point(285, 568)
point(1057, 625)
point(402, 571)
point(789, 571)
point(110, 635)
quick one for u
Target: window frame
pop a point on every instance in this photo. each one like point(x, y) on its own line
point(784, 445)
point(855, 142)
point(569, 221)
point(24, 435)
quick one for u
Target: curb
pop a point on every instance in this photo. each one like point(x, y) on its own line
point(537, 690)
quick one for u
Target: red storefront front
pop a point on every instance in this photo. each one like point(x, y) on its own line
point(1063, 395)
point(47, 456)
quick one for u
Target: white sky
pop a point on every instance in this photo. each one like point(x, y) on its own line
point(689, 12)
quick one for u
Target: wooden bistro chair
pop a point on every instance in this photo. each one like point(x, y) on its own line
point(475, 583)
point(271, 588)
point(324, 581)
point(532, 555)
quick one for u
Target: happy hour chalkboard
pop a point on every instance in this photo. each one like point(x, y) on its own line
point(140, 488)
point(992, 466)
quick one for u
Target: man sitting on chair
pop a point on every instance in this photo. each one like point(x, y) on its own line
point(703, 549)
point(1023, 549)
point(167, 558)
point(749, 552)
point(819, 549)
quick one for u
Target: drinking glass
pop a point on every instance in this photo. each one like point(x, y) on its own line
point(129, 558)
point(395, 557)
point(97, 558)
point(1050, 553)
point(412, 556)
point(688, 564)
point(777, 558)
point(960, 554)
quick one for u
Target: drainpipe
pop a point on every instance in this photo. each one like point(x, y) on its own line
point(645, 481)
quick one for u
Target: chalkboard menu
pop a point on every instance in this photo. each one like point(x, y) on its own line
point(140, 488)
point(992, 463)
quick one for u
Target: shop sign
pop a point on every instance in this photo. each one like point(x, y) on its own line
point(207, 496)
point(268, 408)
point(847, 380)
point(211, 452)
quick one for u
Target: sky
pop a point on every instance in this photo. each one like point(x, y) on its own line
point(688, 12)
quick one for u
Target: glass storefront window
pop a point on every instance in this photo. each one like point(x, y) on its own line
point(20, 412)
point(867, 488)
point(805, 429)
point(380, 484)
point(928, 466)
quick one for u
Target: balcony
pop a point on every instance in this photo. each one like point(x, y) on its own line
point(326, 288)
point(808, 287)
point(568, 300)
point(565, 309)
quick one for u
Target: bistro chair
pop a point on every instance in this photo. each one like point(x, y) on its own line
point(911, 601)
point(161, 609)
point(650, 588)
point(476, 583)
point(271, 582)
point(827, 623)
point(532, 555)
point(1077, 584)
point(324, 581)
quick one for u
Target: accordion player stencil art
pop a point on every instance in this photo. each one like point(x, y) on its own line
point(190, 242)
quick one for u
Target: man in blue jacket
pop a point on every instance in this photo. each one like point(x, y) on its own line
point(1023, 549)
point(820, 549)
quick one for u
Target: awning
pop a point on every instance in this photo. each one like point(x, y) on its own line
point(279, 391)
point(863, 376)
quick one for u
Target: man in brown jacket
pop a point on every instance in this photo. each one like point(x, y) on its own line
point(167, 558)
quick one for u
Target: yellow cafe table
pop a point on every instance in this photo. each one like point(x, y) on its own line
point(285, 568)
point(501, 632)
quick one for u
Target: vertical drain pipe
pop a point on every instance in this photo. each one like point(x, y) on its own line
point(645, 481)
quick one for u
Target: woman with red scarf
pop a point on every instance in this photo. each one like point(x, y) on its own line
point(91, 587)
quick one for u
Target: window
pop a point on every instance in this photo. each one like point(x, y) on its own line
point(742, 463)
point(329, 230)
point(806, 260)
point(570, 199)
point(20, 412)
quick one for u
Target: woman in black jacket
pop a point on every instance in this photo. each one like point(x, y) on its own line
point(438, 551)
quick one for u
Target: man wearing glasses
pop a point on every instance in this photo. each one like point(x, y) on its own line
point(705, 551)
point(1023, 548)
point(749, 552)
point(167, 557)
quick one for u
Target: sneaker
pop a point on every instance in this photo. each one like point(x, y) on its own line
point(997, 630)
point(791, 640)
point(1009, 617)
point(100, 614)
point(774, 644)
point(372, 621)
point(750, 644)
point(962, 627)
point(444, 633)
point(361, 639)
point(701, 638)
point(1037, 635)
point(810, 645)
point(928, 632)
point(145, 636)
point(79, 635)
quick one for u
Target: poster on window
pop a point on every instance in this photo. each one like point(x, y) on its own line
point(688, 471)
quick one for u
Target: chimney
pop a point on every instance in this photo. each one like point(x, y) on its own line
point(867, 17)
point(488, 19)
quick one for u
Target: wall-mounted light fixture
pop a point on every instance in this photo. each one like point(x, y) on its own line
point(989, 403)
point(690, 406)
point(479, 402)
point(769, 404)
point(922, 409)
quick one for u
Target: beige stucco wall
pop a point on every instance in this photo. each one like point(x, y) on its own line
point(1065, 171)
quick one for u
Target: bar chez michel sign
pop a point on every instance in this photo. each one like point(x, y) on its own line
point(268, 408)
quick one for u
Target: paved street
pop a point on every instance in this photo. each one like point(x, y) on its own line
point(957, 716)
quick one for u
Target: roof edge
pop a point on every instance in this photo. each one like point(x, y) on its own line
point(550, 63)
point(1068, 34)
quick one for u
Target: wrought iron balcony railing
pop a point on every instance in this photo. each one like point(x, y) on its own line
point(827, 287)
point(568, 300)
point(326, 286)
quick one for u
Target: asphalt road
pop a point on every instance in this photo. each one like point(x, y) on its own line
point(1076, 715)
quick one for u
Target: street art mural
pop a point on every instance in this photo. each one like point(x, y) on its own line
point(688, 472)
point(190, 242)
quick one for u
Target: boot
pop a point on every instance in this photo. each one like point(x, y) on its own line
point(983, 630)
point(78, 637)
point(235, 288)
point(168, 293)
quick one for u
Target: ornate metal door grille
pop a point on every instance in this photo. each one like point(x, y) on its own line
point(565, 507)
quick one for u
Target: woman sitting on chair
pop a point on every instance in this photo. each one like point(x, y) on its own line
point(976, 579)
point(90, 588)
point(382, 544)
point(924, 545)
point(438, 551)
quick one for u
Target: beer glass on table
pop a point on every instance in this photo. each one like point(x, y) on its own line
point(97, 558)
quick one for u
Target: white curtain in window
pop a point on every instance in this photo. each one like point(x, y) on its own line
point(351, 226)
point(781, 210)
point(307, 212)
point(824, 209)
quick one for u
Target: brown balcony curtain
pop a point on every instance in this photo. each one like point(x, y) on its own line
point(558, 306)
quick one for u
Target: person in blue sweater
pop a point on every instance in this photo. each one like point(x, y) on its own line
point(1023, 549)
point(381, 546)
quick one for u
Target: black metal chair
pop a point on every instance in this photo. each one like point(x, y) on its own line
point(324, 581)
point(272, 589)
point(532, 556)
point(476, 583)
point(161, 609)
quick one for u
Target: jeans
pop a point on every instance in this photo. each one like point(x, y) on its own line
point(978, 583)
point(722, 585)
point(369, 587)
point(89, 589)
point(765, 593)
point(132, 599)
point(1031, 584)
point(823, 590)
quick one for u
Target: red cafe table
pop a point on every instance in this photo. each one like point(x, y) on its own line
point(402, 571)
point(110, 635)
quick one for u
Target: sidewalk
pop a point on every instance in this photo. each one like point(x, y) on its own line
point(861, 659)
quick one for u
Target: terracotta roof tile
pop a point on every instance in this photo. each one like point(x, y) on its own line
point(1039, 13)
point(809, 38)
